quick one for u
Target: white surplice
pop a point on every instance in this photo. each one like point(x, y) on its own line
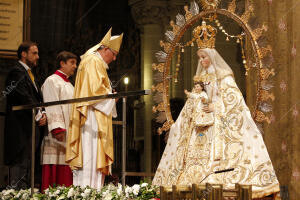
point(55, 88)
point(88, 175)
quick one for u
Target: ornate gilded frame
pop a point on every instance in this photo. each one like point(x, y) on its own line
point(264, 72)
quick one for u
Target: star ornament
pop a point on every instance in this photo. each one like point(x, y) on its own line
point(272, 118)
point(295, 112)
point(283, 146)
point(283, 86)
point(294, 51)
point(282, 25)
point(296, 174)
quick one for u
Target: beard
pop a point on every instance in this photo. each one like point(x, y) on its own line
point(30, 63)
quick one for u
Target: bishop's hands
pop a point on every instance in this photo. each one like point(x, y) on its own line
point(115, 92)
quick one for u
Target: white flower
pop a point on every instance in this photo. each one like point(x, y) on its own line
point(110, 187)
point(83, 195)
point(52, 194)
point(57, 192)
point(136, 189)
point(71, 193)
point(18, 195)
point(104, 193)
point(25, 196)
point(119, 191)
point(7, 192)
point(87, 191)
point(144, 185)
point(108, 197)
point(62, 197)
point(135, 192)
point(47, 191)
point(128, 190)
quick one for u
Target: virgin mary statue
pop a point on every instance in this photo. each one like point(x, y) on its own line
point(192, 153)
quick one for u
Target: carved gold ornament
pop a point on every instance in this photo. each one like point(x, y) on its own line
point(159, 107)
point(188, 15)
point(232, 6)
point(204, 37)
point(165, 45)
point(159, 67)
point(265, 96)
point(259, 31)
point(266, 73)
point(209, 4)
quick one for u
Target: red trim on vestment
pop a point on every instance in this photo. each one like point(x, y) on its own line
point(57, 131)
point(63, 76)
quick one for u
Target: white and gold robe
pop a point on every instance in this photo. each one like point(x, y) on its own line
point(90, 142)
point(233, 141)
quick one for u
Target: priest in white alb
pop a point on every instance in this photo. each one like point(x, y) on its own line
point(57, 87)
point(90, 139)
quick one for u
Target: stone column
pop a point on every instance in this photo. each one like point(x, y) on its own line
point(150, 17)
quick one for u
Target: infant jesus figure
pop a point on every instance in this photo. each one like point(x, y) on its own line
point(201, 118)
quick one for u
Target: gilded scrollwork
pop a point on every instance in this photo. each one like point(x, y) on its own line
point(193, 152)
point(188, 15)
point(247, 14)
point(165, 45)
point(174, 27)
point(159, 107)
point(266, 95)
point(264, 51)
point(159, 87)
point(265, 73)
point(191, 14)
point(209, 4)
point(159, 67)
point(200, 151)
point(232, 6)
point(259, 31)
point(261, 117)
point(166, 126)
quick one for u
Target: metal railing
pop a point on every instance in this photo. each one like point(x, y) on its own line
point(122, 95)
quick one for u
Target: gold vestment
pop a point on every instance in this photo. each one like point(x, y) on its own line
point(91, 80)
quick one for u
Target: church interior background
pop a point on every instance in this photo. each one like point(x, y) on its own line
point(76, 25)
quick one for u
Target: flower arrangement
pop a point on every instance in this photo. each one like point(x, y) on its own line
point(143, 191)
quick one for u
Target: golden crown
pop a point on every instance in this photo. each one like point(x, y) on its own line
point(205, 36)
point(197, 79)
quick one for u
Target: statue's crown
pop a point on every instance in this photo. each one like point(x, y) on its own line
point(205, 36)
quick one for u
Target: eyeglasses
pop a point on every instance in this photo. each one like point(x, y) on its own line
point(115, 54)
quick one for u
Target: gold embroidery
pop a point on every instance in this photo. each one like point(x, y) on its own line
point(198, 152)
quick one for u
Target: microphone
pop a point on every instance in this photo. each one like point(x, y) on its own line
point(217, 172)
point(224, 170)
